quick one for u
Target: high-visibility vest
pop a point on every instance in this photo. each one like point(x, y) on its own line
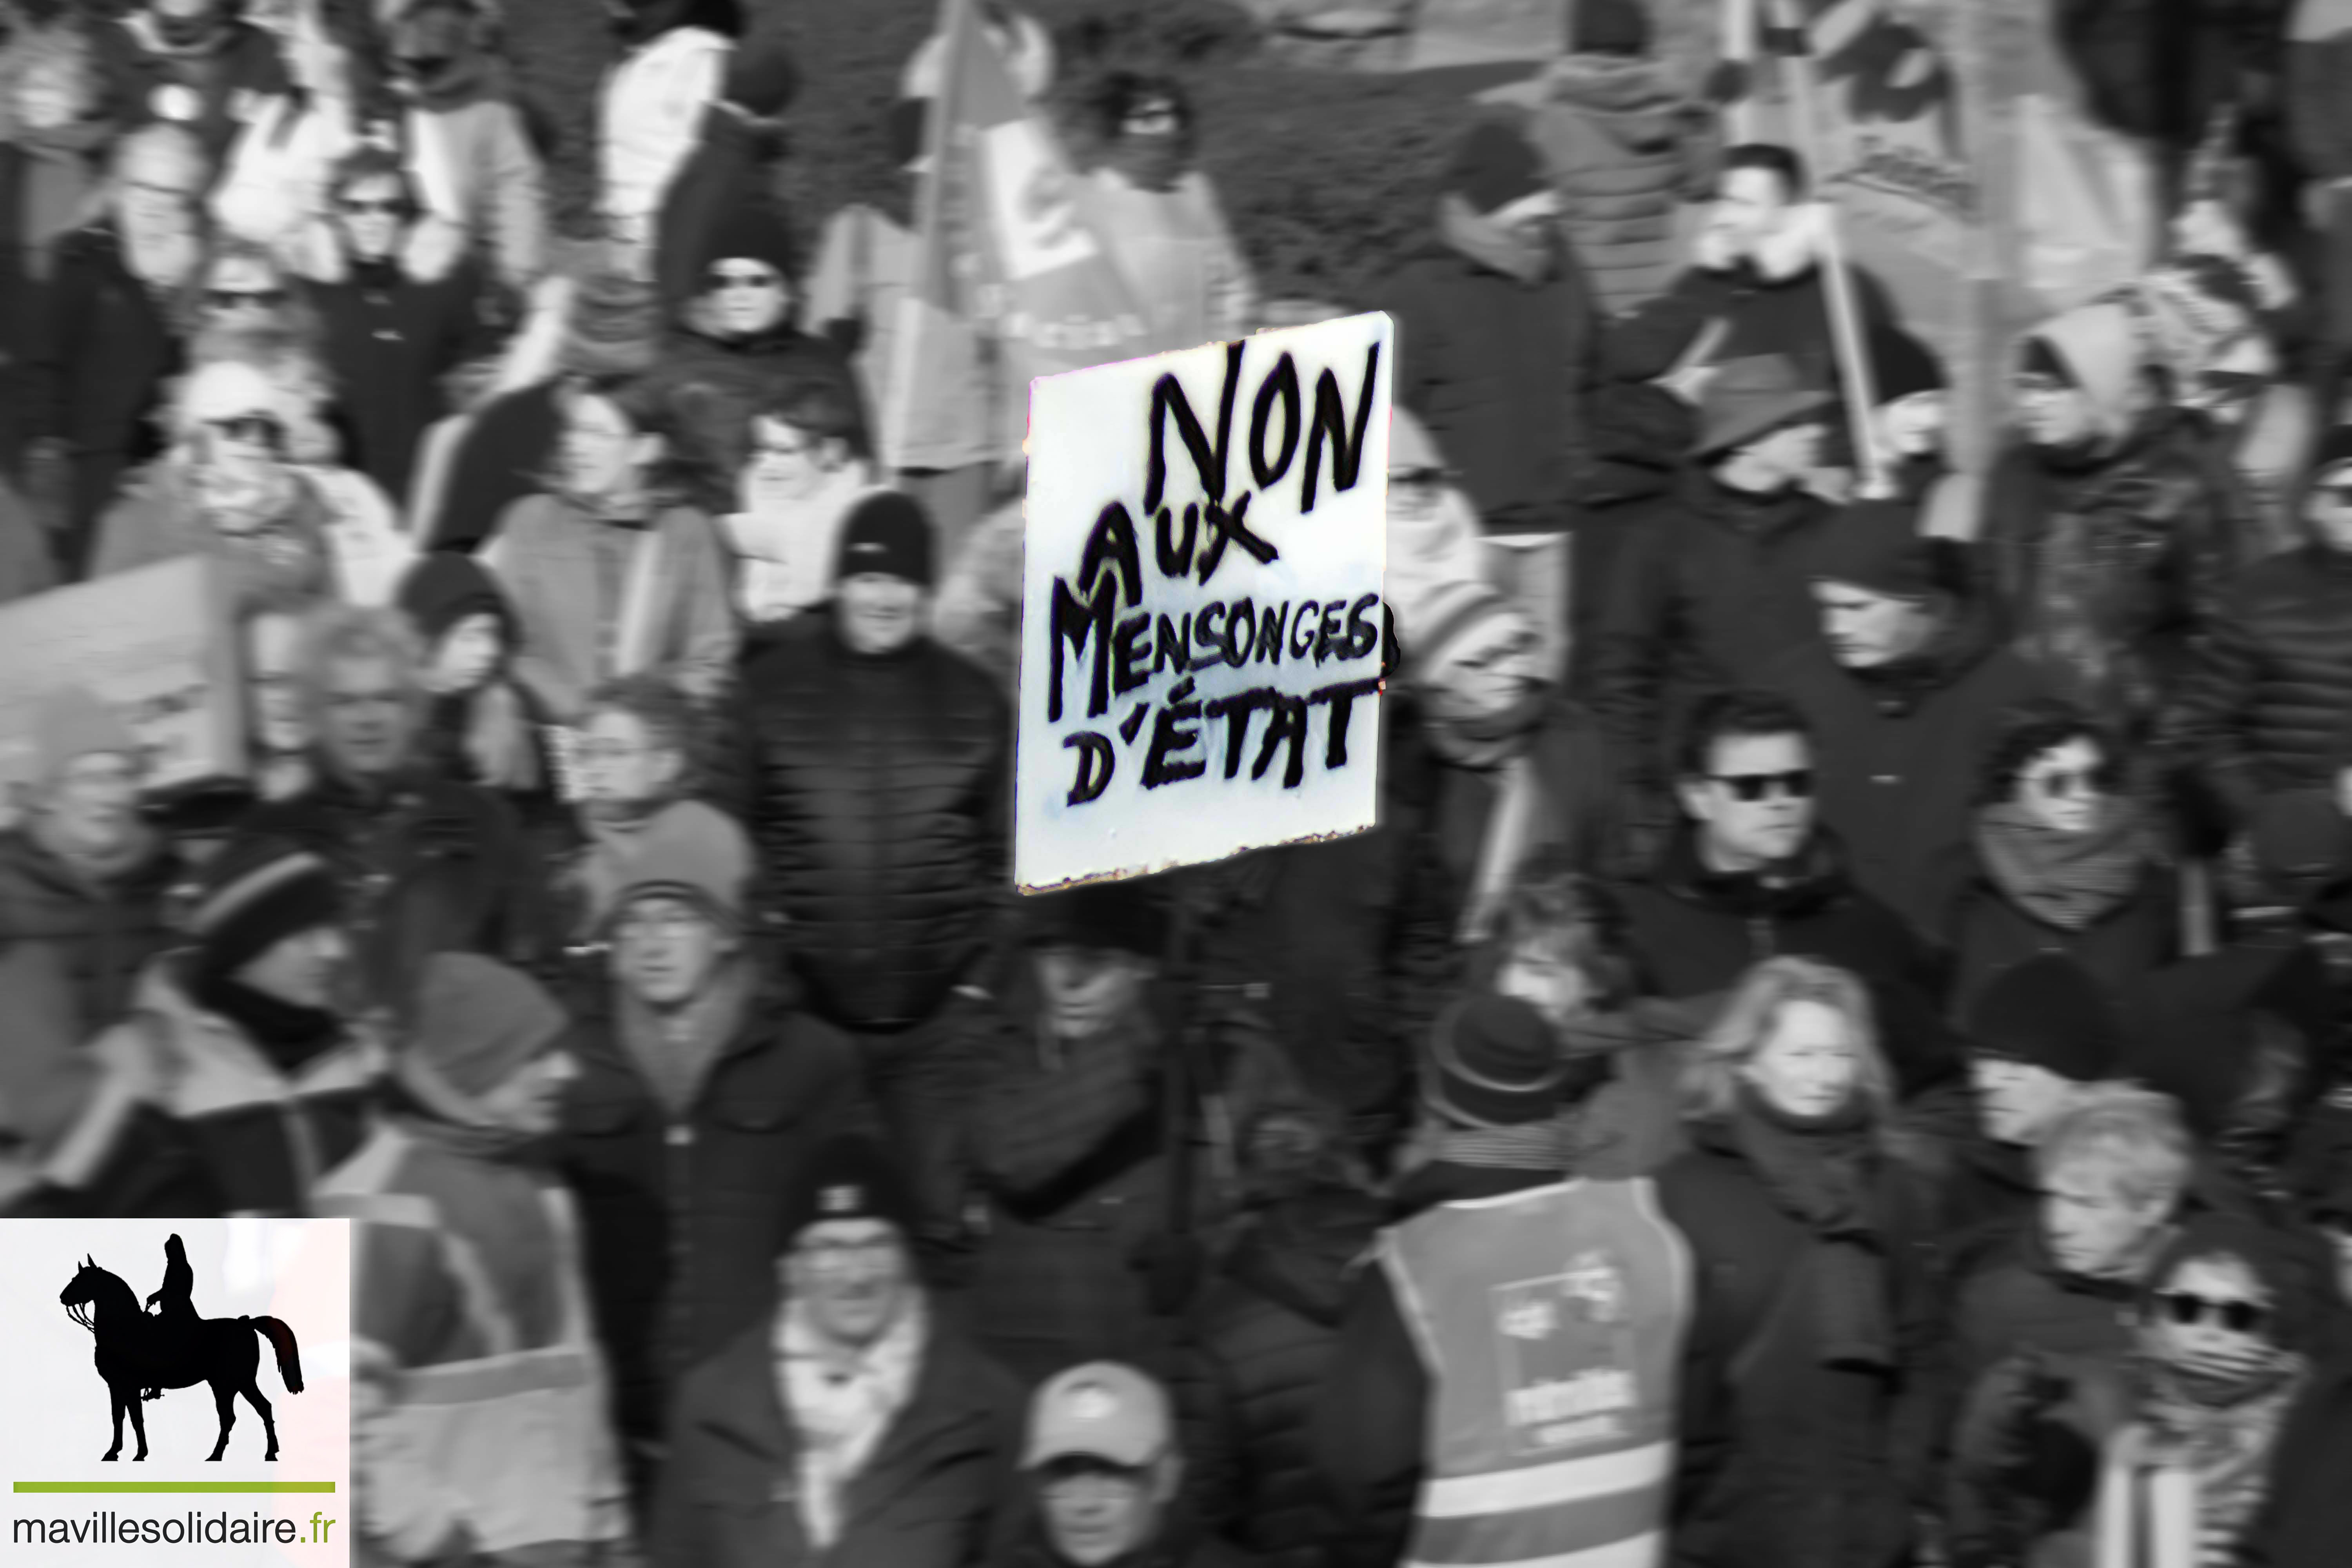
point(1551, 1321)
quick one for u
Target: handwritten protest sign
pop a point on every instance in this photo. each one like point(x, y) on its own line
point(158, 643)
point(1201, 609)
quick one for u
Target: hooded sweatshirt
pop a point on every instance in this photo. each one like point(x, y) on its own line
point(1625, 148)
point(2113, 555)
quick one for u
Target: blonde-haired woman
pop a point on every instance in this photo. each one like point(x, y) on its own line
point(1810, 1320)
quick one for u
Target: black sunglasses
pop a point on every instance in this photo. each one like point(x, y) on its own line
point(720, 277)
point(230, 298)
point(1796, 783)
point(2238, 1317)
point(390, 207)
point(2059, 784)
point(258, 429)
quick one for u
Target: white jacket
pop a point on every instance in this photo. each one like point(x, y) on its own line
point(650, 119)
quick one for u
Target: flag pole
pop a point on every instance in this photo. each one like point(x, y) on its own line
point(955, 19)
point(1789, 40)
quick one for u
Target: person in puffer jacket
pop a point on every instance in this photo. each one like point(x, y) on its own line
point(2262, 709)
point(1266, 1332)
point(1625, 146)
point(872, 766)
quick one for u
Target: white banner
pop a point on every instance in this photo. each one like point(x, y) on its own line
point(1201, 610)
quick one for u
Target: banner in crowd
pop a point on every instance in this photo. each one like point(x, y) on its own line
point(1000, 240)
point(1206, 533)
point(97, 1474)
point(157, 643)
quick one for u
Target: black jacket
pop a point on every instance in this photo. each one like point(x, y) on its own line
point(102, 934)
point(1266, 1334)
point(684, 1218)
point(390, 339)
point(876, 790)
point(2264, 708)
point(99, 349)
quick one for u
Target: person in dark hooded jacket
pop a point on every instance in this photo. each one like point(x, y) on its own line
point(1494, 337)
point(1625, 147)
point(1905, 693)
point(1265, 1334)
point(1713, 587)
point(2110, 534)
point(2266, 704)
point(479, 727)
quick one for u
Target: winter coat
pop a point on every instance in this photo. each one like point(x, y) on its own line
point(938, 1490)
point(1783, 311)
point(1987, 931)
point(262, 1135)
point(1067, 1152)
point(685, 1213)
point(2008, 1295)
point(101, 933)
point(1898, 751)
point(427, 865)
point(1691, 932)
point(1625, 148)
point(1497, 370)
point(875, 789)
point(2265, 706)
point(598, 598)
point(98, 353)
point(474, 158)
point(2112, 575)
point(2158, 71)
point(2318, 121)
point(236, 65)
point(392, 333)
point(478, 1394)
point(1179, 1543)
point(1366, 1427)
point(742, 370)
point(1264, 1337)
point(1704, 595)
point(1975, 1189)
point(349, 548)
point(1784, 1459)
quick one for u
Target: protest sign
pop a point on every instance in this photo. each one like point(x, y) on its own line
point(1202, 602)
point(157, 643)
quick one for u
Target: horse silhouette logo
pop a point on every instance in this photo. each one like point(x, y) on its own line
point(140, 1355)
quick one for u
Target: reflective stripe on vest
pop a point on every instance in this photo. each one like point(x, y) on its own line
point(1551, 1321)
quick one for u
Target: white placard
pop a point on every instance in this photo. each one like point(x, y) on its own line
point(1201, 613)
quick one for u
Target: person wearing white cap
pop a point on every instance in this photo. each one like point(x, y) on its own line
point(1101, 1455)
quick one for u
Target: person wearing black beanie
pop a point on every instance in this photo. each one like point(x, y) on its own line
point(239, 1038)
point(2038, 1031)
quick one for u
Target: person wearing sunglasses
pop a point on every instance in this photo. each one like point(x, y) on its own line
point(1749, 871)
point(2111, 531)
point(2061, 859)
point(402, 306)
point(2262, 712)
point(451, 87)
point(2224, 1437)
point(1906, 687)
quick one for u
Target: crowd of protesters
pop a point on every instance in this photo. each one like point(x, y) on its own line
point(1850, 1071)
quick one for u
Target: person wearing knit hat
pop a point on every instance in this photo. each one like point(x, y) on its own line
point(243, 1037)
point(478, 727)
point(1491, 1062)
point(1608, 28)
point(689, 853)
point(468, 1239)
point(1093, 951)
point(1907, 423)
point(900, 1437)
point(1876, 546)
point(2038, 1031)
point(2111, 532)
point(882, 573)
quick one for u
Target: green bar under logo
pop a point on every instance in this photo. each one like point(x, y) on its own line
point(175, 1486)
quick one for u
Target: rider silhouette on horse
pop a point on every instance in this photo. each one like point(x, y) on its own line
point(175, 1317)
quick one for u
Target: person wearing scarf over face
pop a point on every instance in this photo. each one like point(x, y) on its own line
point(480, 1430)
point(236, 1040)
point(1500, 765)
point(1807, 1362)
point(2223, 1437)
point(615, 568)
point(84, 876)
point(2062, 859)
